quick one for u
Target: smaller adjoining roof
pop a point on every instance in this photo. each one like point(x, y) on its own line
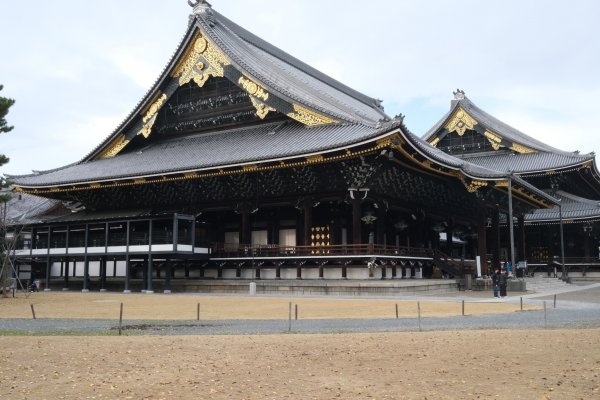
point(574, 208)
point(538, 156)
point(24, 209)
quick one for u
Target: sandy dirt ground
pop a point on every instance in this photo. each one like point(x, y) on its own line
point(560, 364)
point(185, 306)
point(486, 364)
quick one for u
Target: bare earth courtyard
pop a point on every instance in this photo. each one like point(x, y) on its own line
point(510, 364)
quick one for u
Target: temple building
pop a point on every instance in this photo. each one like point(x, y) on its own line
point(469, 133)
point(242, 162)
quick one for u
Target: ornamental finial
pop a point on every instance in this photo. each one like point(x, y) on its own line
point(202, 3)
point(459, 94)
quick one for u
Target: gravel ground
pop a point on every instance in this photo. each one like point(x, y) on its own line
point(579, 308)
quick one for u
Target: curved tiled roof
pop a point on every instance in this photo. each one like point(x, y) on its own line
point(206, 151)
point(286, 76)
point(528, 163)
point(573, 208)
point(544, 157)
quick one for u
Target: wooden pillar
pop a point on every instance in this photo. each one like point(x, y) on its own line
point(300, 229)
point(521, 244)
point(66, 274)
point(495, 239)
point(381, 222)
point(150, 267)
point(449, 238)
point(144, 278)
point(335, 229)
point(103, 273)
point(481, 239)
point(48, 269)
point(127, 275)
point(273, 228)
point(245, 230)
point(86, 274)
point(307, 223)
point(168, 273)
point(356, 222)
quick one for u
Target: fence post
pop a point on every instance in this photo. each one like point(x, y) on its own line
point(419, 314)
point(521, 304)
point(554, 301)
point(296, 312)
point(545, 316)
point(396, 310)
point(32, 311)
point(463, 308)
point(290, 318)
point(121, 319)
point(198, 312)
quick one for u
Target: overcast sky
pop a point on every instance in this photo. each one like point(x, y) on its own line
point(77, 68)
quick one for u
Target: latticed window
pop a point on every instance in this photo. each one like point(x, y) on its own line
point(470, 142)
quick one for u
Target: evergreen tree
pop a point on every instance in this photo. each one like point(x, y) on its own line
point(5, 104)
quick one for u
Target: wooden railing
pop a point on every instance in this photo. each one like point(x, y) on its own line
point(246, 251)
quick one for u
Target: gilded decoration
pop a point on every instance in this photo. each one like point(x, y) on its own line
point(521, 149)
point(460, 122)
point(495, 140)
point(249, 167)
point(253, 88)
point(115, 147)
point(193, 66)
point(150, 117)
point(261, 108)
point(310, 118)
point(473, 185)
point(501, 184)
point(315, 159)
point(435, 142)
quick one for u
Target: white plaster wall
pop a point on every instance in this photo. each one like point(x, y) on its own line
point(229, 273)
point(248, 273)
point(357, 273)
point(120, 270)
point(117, 249)
point(288, 273)
point(55, 269)
point(332, 273)
point(268, 273)
point(76, 250)
point(94, 268)
point(377, 273)
point(194, 273)
point(310, 273)
point(77, 269)
point(210, 273)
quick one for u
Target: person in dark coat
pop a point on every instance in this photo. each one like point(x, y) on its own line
point(503, 283)
point(496, 282)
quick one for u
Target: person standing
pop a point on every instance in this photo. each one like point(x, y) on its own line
point(496, 282)
point(503, 281)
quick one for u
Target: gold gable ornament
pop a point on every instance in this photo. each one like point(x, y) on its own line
point(460, 122)
point(310, 118)
point(192, 66)
point(473, 185)
point(521, 149)
point(150, 117)
point(495, 140)
point(261, 108)
point(115, 147)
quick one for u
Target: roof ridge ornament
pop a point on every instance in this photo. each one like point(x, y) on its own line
point(459, 94)
point(199, 4)
point(202, 7)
